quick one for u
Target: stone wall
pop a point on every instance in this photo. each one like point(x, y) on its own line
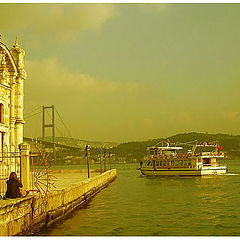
point(25, 216)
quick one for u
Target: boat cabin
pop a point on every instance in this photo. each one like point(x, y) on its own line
point(172, 160)
point(168, 151)
point(169, 157)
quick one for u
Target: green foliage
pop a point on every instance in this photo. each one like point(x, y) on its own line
point(137, 150)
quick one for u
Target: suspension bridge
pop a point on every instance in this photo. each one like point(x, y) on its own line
point(50, 119)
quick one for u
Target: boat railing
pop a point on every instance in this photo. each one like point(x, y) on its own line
point(213, 154)
point(170, 164)
point(174, 167)
point(185, 155)
point(174, 156)
point(214, 165)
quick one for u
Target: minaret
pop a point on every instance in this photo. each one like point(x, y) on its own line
point(17, 93)
point(18, 56)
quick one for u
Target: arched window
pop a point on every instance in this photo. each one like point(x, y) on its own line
point(1, 113)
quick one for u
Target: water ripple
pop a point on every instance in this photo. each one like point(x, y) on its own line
point(166, 206)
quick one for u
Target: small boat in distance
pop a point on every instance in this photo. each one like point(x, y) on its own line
point(167, 161)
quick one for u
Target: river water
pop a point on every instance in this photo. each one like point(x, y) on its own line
point(159, 206)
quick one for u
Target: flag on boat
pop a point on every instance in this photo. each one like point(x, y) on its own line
point(219, 147)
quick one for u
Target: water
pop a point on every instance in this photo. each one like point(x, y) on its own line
point(160, 206)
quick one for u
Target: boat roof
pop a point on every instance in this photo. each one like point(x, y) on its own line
point(212, 156)
point(165, 148)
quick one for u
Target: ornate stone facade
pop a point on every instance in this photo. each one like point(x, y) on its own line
point(12, 76)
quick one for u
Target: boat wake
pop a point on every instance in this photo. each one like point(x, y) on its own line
point(232, 174)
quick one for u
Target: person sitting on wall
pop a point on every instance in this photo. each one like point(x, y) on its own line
point(13, 186)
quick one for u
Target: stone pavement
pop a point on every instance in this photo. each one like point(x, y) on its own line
point(67, 179)
point(63, 179)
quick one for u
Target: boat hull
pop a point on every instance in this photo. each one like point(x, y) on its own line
point(184, 172)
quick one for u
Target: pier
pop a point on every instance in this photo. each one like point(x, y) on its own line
point(26, 216)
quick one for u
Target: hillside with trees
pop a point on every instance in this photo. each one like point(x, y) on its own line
point(135, 151)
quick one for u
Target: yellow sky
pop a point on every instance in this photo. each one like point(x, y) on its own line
point(121, 72)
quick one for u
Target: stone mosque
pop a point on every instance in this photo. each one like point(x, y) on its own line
point(12, 76)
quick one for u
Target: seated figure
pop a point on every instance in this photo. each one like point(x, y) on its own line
point(13, 186)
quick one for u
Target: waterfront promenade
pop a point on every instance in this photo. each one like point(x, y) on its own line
point(25, 216)
point(62, 180)
point(68, 178)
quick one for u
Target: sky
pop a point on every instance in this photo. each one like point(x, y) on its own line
point(129, 72)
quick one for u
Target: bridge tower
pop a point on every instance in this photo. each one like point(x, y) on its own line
point(49, 125)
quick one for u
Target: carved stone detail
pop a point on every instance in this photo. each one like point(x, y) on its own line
point(12, 76)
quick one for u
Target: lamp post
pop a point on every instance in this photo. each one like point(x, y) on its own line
point(87, 155)
point(109, 158)
point(100, 158)
point(104, 159)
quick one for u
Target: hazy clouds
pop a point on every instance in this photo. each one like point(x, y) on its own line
point(122, 72)
point(62, 21)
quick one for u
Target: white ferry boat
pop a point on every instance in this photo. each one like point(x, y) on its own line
point(167, 161)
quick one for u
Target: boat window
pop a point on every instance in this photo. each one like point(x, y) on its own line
point(177, 163)
point(206, 161)
point(169, 152)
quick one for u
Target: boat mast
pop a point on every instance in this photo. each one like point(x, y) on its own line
point(194, 147)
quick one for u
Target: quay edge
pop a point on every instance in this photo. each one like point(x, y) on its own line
point(26, 216)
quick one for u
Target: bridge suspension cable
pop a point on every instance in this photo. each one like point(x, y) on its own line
point(63, 123)
point(29, 116)
point(33, 112)
point(59, 132)
point(37, 110)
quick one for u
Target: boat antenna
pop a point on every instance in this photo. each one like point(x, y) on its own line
point(159, 143)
